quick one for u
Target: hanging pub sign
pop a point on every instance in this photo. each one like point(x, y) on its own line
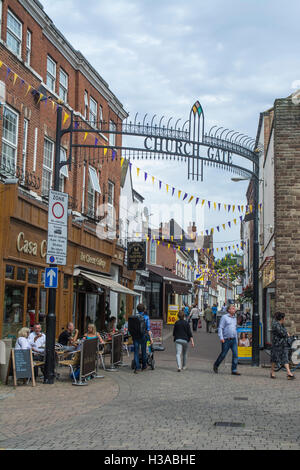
point(136, 256)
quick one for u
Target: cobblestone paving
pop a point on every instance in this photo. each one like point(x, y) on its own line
point(157, 410)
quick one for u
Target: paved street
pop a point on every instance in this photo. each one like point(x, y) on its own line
point(160, 409)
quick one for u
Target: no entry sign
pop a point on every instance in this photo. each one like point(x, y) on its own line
point(57, 228)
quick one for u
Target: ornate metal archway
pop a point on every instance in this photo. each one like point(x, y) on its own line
point(220, 145)
point(190, 142)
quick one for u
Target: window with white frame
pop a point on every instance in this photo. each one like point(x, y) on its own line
point(28, 46)
point(153, 252)
point(63, 85)
point(93, 188)
point(47, 166)
point(24, 150)
point(100, 116)
point(9, 140)
point(64, 173)
point(110, 202)
point(93, 112)
point(1, 8)
point(86, 104)
point(14, 33)
point(112, 136)
point(51, 73)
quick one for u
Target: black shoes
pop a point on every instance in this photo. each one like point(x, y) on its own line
point(215, 369)
point(235, 373)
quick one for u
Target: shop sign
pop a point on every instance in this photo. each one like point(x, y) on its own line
point(172, 314)
point(97, 261)
point(30, 247)
point(269, 273)
point(136, 256)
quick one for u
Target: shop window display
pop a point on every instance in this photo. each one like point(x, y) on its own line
point(13, 310)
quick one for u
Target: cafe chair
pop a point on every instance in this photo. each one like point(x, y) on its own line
point(101, 355)
point(72, 362)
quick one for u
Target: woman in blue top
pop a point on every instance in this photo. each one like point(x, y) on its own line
point(92, 333)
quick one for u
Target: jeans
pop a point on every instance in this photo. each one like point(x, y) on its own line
point(195, 323)
point(137, 343)
point(229, 344)
point(181, 348)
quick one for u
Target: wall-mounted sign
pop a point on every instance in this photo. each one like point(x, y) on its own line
point(57, 228)
point(136, 256)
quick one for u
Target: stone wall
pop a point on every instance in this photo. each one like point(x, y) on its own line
point(287, 210)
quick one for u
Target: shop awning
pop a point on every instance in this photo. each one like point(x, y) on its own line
point(104, 281)
point(180, 286)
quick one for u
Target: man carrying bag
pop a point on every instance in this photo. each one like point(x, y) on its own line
point(139, 329)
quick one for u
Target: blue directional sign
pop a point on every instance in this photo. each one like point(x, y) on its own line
point(51, 278)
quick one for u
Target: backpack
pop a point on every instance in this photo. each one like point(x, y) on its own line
point(137, 326)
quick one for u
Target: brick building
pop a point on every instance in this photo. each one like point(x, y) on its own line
point(279, 134)
point(39, 71)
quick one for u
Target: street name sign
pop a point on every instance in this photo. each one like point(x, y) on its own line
point(57, 228)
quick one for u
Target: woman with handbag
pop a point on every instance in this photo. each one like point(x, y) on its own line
point(279, 352)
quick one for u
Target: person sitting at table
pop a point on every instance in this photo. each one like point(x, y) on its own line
point(111, 327)
point(92, 333)
point(68, 338)
point(37, 339)
point(22, 341)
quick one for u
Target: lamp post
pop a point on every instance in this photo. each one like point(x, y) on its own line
point(49, 373)
point(255, 244)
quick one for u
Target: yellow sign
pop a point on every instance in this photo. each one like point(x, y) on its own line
point(172, 314)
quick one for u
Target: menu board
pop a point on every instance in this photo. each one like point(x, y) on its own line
point(20, 365)
point(156, 327)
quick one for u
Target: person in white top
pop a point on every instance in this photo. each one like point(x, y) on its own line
point(195, 315)
point(37, 339)
point(22, 341)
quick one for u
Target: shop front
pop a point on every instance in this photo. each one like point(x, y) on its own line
point(268, 284)
point(163, 289)
point(23, 246)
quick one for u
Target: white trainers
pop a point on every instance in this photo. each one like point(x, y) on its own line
point(184, 368)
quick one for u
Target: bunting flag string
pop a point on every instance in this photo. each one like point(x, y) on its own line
point(188, 198)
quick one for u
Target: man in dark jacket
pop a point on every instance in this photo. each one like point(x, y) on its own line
point(140, 339)
point(182, 336)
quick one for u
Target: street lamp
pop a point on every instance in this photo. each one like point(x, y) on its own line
point(255, 317)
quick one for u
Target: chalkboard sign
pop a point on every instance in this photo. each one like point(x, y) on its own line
point(116, 353)
point(136, 256)
point(88, 357)
point(20, 365)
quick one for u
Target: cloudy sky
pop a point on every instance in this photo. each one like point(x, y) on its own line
point(158, 57)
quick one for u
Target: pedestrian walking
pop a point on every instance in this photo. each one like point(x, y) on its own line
point(187, 312)
point(139, 328)
point(182, 337)
point(195, 315)
point(228, 337)
point(214, 312)
point(280, 348)
point(208, 317)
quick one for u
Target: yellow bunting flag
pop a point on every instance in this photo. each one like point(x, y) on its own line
point(85, 137)
point(40, 97)
point(223, 225)
point(66, 117)
point(153, 179)
point(122, 161)
point(215, 205)
point(15, 78)
point(234, 220)
point(179, 194)
point(191, 198)
point(105, 151)
point(203, 202)
point(138, 171)
point(1, 63)
point(28, 90)
point(169, 245)
point(233, 207)
point(251, 207)
point(167, 186)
